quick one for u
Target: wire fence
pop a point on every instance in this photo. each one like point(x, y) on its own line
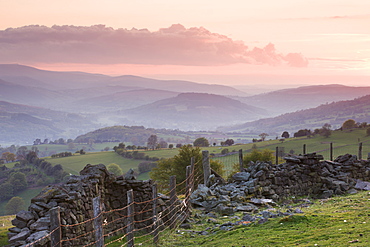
point(155, 220)
point(231, 161)
point(129, 225)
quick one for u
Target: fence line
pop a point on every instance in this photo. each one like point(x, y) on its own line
point(169, 219)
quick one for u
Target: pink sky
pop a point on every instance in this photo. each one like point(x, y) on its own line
point(225, 42)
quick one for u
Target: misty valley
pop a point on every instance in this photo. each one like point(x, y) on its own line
point(51, 105)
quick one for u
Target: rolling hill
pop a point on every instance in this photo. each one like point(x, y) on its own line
point(191, 111)
point(22, 123)
point(334, 113)
point(294, 99)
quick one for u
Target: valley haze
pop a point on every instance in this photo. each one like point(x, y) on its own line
point(70, 67)
point(52, 104)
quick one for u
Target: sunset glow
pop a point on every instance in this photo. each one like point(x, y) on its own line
point(299, 42)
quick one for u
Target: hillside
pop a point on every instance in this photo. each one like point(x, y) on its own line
point(334, 113)
point(127, 99)
point(191, 111)
point(22, 123)
point(280, 102)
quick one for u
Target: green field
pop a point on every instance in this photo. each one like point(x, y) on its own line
point(26, 195)
point(74, 164)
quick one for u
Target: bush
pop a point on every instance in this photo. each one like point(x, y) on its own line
point(177, 166)
point(14, 205)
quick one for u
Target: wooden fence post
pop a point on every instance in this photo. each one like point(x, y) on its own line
point(98, 223)
point(331, 151)
point(155, 217)
point(304, 148)
point(206, 166)
point(172, 201)
point(56, 231)
point(277, 156)
point(360, 151)
point(130, 218)
point(192, 163)
point(241, 167)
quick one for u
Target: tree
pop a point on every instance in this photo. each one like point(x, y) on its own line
point(201, 142)
point(263, 136)
point(177, 166)
point(14, 205)
point(257, 155)
point(61, 141)
point(325, 130)
point(163, 144)
point(22, 152)
point(152, 142)
point(170, 146)
point(229, 142)
point(349, 124)
point(6, 191)
point(302, 132)
point(8, 156)
point(285, 134)
point(115, 169)
point(18, 181)
point(368, 131)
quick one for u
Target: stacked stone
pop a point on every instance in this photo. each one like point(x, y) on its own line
point(75, 200)
point(303, 175)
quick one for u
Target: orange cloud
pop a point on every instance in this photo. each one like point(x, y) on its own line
point(99, 44)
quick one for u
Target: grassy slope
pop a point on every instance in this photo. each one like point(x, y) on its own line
point(26, 195)
point(334, 222)
point(5, 223)
point(74, 164)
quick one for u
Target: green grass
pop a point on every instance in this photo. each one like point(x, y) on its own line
point(26, 195)
point(333, 222)
point(74, 164)
point(5, 223)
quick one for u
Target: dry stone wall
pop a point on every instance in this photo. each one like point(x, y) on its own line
point(299, 176)
point(75, 199)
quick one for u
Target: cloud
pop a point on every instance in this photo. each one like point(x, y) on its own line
point(99, 44)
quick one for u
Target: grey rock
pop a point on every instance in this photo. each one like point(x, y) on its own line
point(241, 176)
point(24, 215)
point(19, 223)
point(212, 220)
point(15, 230)
point(298, 211)
point(41, 224)
point(186, 226)
point(247, 208)
point(23, 235)
point(362, 185)
point(263, 220)
point(248, 217)
point(37, 235)
point(224, 210)
point(130, 175)
point(352, 191)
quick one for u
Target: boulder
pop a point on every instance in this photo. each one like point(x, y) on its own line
point(241, 176)
point(24, 215)
point(23, 235)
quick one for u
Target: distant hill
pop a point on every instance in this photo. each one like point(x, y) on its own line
point(29, 95)
point(27, 76)
point(191, 111)
point(334, 113)
point(21, 123)
point(126, 99)
point(294, 99)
